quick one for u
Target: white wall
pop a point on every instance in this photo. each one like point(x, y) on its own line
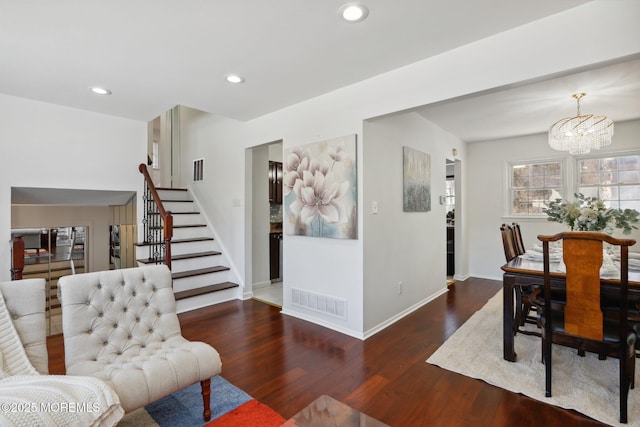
point(486, 195)
point(407, 247)
point(49, 146)
point(336, 267)
point(221, 193)
point(260, 216)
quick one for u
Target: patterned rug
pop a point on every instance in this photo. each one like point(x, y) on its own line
point(184, 408)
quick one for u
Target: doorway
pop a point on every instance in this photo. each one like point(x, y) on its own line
point(450, 209)
point(267, 243)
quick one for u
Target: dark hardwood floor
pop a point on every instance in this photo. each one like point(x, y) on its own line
point(286, 363)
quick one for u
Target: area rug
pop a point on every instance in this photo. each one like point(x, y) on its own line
point(252, 413)
point(584, 384)
point(184, 408)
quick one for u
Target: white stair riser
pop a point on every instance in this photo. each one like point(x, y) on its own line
point(200, 301)
point(178, 265)
point(192, 247)
point(173, 195)
point(179, 206)
point(190, 219)
point(190, 233)
point(191, 282)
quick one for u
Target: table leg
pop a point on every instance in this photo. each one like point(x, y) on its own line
point(508, 284)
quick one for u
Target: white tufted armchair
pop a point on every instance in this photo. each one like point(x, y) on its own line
point(121, 326)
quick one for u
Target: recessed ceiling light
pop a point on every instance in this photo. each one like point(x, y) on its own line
point(353, 12)
point(234, 78)
point(100, 90)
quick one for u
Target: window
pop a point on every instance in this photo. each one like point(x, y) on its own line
point(533, 185)
point(615, 180)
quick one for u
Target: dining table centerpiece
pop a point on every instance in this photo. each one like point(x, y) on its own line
point(591, 214)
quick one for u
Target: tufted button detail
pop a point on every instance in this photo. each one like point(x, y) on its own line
point(15, 316)
point(143, 345)
point(153, 289)
point(87, 303)
point(122, 283)
point(137, 319)
point(119, 353)
point(99, 286)
point(150, 330)
point(90, 331)
point(146, 304)
point(124, 309)
point(105, 343)
point(129, 337)
point(115, 325)
point(134, 293)
point(100, 314)
point(113, 298)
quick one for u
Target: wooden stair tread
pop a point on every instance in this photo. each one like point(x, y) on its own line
point(188, 240)
point(181, 226)
point(182, 256)
point(189, 273)
point(204, 290)
point(175, 213)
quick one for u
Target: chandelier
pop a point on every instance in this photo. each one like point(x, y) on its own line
point(582, 133)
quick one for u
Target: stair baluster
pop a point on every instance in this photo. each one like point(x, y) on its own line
point(158, 223)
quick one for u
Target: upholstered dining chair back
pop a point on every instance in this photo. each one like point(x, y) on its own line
point(580, 322)
point(25, 301)
point(121, 326)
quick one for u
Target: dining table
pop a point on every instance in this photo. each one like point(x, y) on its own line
point(528, 270)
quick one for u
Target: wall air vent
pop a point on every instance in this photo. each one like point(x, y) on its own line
point(198, 170)
point(332, 306)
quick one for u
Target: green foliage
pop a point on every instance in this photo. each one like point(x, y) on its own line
point(591, 214)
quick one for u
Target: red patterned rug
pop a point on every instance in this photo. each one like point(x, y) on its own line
point(251, 413)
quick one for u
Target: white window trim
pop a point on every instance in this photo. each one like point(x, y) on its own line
point(596, 155)
point(507, 213)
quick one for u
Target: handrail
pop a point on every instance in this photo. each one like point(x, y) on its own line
point(17, 265)
point(166, 216)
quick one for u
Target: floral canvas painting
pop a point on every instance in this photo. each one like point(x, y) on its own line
point(417, 180)
point(320, 191)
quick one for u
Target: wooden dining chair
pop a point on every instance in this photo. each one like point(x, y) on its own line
point(526, 290)
point(580, 323)
point(517, 237)
point(510, 253)
point(508, 242)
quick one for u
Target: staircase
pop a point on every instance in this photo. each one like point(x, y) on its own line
point(201, 276)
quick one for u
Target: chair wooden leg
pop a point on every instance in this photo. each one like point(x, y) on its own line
point(206, 398)
point(546, 343)
point(624, 388)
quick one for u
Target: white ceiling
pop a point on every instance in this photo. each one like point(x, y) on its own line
point(155, 54)
point(612, 90)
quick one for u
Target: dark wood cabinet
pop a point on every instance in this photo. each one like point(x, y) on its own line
point(275, 182)
point(274, 255)
point(450, 251)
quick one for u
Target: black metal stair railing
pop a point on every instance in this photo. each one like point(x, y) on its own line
point(157, 222)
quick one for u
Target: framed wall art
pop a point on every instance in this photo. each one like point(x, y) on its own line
point(320, 189)
point(416, 186)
